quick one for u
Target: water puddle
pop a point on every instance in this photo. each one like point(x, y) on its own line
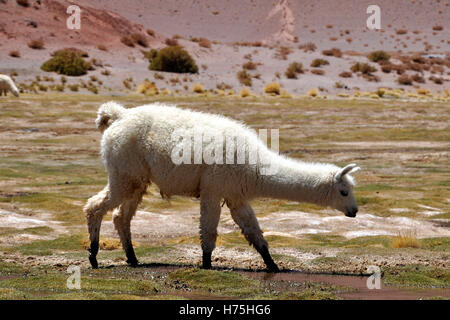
point(359, 283)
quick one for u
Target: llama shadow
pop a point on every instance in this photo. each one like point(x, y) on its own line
point(164, 267)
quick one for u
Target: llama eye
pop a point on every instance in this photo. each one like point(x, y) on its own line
point(344, 193)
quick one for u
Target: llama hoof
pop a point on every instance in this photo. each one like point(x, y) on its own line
point(273, 268)
point(206, 260)
point(93, 261)
point(133, 263)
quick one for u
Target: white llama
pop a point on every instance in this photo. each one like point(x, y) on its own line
point(137, 149)
point(6, 84)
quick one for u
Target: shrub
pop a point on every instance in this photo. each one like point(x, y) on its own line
point(23, 3)
point(140, 39)
point(150, 55)
point(418, 78)
point(198, 88)
point(172, 42)
point(386, 68)
point(82, 53)
point(377, 56)
point(249, 65)
point(173, 59)
point(148, 88)
point(294, 69)
point(128, 83)
point(245, 93)
point(371, 77)
point(309, 46)
point(335, 52)
point(313, 93)
point(68, 63)
point(126, 40)
point(318, 72)
point(14, 54)
point(150, 32)
point(205, 43)
point(423, 91)
point(418, 59)
point(404, 80)
point(36, 44)
point(438, 28)
point(283, 52)
point(319, 62)
point(93, 89)
point(338, 85)
point(102, 47)
point(401, 31)
point(364, 68)
point(345, 74)
point(244, 78)
point(272, 88)
point(406, 240)
point(437, 80)
point(223, 86)
point(74, 87)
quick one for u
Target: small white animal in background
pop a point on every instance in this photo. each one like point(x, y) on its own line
point(6, 84)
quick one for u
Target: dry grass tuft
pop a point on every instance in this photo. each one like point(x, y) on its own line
point(309, 46)
point(294, 69)
point(245, 93)
point(148, 88)
point(334, 52)
point(36, 44)
point(313, 93)
point(198, 88)
point(205, 43)
point(23, 3)
point(345, 74)
point(244, 78)
point(273, 88)
point(406, 239)
point(249, 65)
point(14, 54)
point(172, 42)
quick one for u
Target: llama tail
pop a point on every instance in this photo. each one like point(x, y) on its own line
point(107, 114)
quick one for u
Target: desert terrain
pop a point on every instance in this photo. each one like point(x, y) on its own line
point(248, 55)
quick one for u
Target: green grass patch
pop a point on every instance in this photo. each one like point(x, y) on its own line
point(417, 276)
point(226, 283)
point(48, 247)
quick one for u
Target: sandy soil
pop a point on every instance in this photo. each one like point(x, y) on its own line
point(326, 23)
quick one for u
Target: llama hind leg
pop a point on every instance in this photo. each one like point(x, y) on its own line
point(95, 208)
point(244, 216)
point(209, 220)
point(122, 219)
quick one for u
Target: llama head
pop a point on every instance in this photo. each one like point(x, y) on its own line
point(342, 198)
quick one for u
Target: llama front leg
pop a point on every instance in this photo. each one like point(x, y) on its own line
point(209, 220)
point(95, 208)
point(122, 220)
point(244, 216)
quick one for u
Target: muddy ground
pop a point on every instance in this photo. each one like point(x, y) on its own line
point(50, 165)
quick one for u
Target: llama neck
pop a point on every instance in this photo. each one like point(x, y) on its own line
point(298, 181)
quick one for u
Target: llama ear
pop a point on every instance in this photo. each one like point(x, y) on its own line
point(348, 169)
